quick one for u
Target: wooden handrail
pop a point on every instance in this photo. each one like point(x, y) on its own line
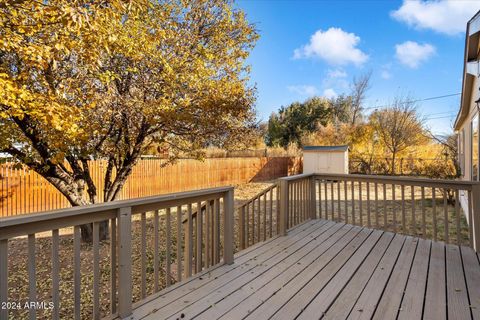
point(438, 183)
point(295, 200)
point(256, 196)
point(37, 222)
point(262, 223)
point(395, 209)
point(119, 215)
point(202, 209)
point(396, 204)
point(297, 177)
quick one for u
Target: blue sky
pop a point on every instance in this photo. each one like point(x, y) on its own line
point(316, 47)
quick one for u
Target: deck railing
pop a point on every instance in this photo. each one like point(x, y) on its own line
point(425, 208)
point(258, 217)
point(296, 198)
point(185, 250)
point(157, 241)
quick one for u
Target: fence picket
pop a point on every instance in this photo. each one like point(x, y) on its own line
point(28, 192)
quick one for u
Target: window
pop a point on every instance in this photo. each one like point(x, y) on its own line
point(475, 148)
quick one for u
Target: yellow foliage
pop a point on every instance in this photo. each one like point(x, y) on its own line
point(81, 79)
point(56, 52)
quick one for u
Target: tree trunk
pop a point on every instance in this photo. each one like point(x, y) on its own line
point(393, 163)
point(75, 193)
point(86, 231)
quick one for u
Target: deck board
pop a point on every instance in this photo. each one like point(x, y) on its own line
point(347, 280)
point(319, 272)
point(256, 299)
point(414, 296)
point(435, 299)
point(345, 301)
point(367, 302)
point(472, 275)
point(178, 291)
point(389, 303)
point(268, 283)
point(329, 270)
point(262, 269)
point(237, 277)
point(457, 295)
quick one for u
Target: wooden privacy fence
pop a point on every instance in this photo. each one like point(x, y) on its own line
point(24, 191)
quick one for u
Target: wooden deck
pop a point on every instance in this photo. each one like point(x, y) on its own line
point(329, 270)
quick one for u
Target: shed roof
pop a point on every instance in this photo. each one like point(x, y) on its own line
point(325, 148)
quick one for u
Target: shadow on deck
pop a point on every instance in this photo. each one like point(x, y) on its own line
point(330, 270)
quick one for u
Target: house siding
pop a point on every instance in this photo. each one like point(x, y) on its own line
point(466, 129)
point(470, 94)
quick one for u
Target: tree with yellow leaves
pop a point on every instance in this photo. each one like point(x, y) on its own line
point(105, 79)
point(399, 127)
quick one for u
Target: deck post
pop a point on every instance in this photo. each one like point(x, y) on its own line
point(228, 202)
point(313, 198)
point(476, 216)
point(241, 227)
point(283, 187)
point(3, 278)
point(124, 216)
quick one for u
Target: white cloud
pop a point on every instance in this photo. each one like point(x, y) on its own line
point(337, 73)
point(385, 74)
point(335, 46)
point(444, 16)
point(411, 53)
point(304, 90)
point(329, 93)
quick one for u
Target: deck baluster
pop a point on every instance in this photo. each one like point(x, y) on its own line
point(345, 190)
point(424, 230)
point(113, 266)
point(353, 201)
point(457, 217)
point(394, 209)
point(3, 275)
point(168, 249)
point(369, 221)
point(404, 228)
point(179, 243)
point(434, 213)
point(55, 275)
point(445, 216)
point(414, 222)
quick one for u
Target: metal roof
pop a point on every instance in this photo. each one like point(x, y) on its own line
point(325, 148)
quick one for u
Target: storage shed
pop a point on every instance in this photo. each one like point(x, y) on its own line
point(325, 159)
